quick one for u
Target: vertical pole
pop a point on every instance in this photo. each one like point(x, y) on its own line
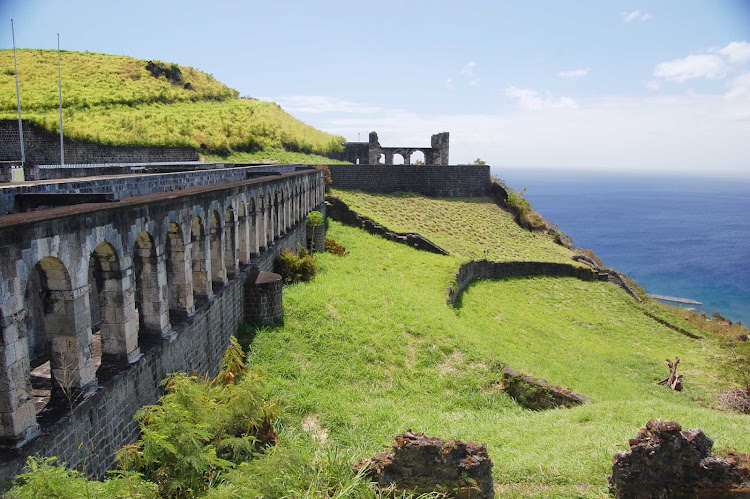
point(18, 95)
point(59, 89)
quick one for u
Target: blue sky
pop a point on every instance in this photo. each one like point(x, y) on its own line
point(638, 85)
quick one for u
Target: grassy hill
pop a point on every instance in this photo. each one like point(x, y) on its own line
point(118, 100)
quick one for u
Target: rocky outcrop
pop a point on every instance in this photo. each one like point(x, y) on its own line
point(666, 462)
point(420, 464)
point(340, 211)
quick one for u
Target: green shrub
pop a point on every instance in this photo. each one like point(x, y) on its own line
point(295, 267)
point(201, 427)
point(42, 478)
point(315, 218)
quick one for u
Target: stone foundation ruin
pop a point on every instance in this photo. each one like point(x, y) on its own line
point(420, 464)
point(666, 461)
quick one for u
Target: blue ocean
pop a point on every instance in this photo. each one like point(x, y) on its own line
point(685, 237)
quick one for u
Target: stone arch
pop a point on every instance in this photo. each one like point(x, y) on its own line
point(252, 218)
point(398, 158)
point(201, 264)
point(66, 320)
point(382, 159)
point(113, 300)
point(269, 220)
point(151, 293)
point(216, 245)
point(231, 262)
point(417, 156)
point(179, 274)
point(243, 233)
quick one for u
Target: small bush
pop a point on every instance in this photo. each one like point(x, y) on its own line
point(315, 218)
point(295, 267)
point(335, 248)
point(737, 399)
point(327, 174)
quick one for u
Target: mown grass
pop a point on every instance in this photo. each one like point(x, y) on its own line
point(114, 100)
point(370, 349)
point(469, 228)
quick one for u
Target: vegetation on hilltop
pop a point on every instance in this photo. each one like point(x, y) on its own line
point(117, 100)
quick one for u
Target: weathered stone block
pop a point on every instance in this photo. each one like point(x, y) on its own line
point(421, 464)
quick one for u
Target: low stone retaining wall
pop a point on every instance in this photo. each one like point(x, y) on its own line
point(487, 269)
point(43, 147)
point(340, 211)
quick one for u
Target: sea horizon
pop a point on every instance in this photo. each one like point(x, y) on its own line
point(683, 235)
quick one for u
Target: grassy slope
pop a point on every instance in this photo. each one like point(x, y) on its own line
point(370, 349)
point(469, 228)
point(112, 99)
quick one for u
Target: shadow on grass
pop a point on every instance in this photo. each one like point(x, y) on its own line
point(246, 332)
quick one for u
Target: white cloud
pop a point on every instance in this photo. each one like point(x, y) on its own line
point(469, 68)
point(574, 73)
point(636, 15)
point(470, 71)
point(659, 134)
point(739, 87)
point(449, 84)
point(712, 64)
point(321, 104)
point(708, 66)
point(531, 99)
point(736, 52)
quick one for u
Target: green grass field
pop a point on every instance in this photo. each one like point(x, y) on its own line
point(468, 228)
point(115, 100)
point(370, 349)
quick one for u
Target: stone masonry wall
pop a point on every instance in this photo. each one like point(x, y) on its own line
point(42, 148)
point(437, 181)
point(487, 269)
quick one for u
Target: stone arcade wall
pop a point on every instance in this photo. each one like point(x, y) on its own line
point(436, 181)
point(179, 259)
point(43, 148)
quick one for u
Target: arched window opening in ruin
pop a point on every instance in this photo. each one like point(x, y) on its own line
point(179, 276)
point(381, 159)
point(112, 304)
point(417, 158)
point(63, 369)
point(230, 242)
point(215, 236)
point(398, 159)
point(200, 262)
point(357, 162)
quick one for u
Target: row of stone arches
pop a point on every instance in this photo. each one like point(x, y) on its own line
point(403, 157)
point(127, 285)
